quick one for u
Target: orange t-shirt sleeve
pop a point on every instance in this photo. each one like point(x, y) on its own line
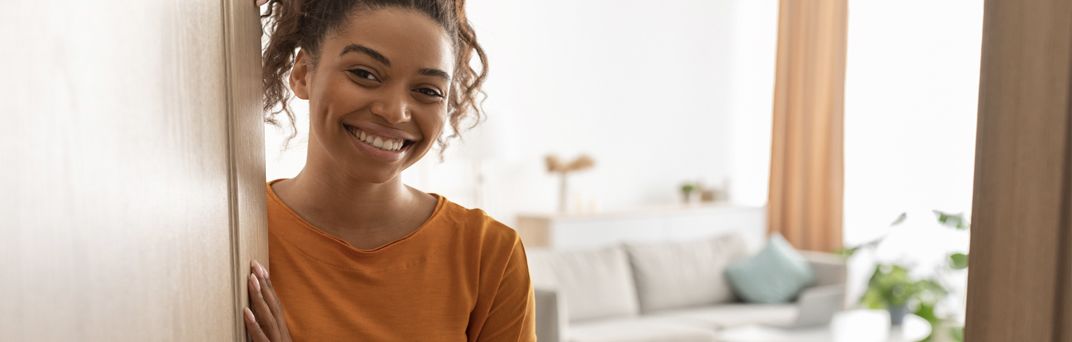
point(512, 315)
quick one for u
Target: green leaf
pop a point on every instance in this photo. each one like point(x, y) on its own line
point(926, 312)
point(958, 261)
point(900, 219)
point(930, 292)
point(872, 299)
point(956, 221)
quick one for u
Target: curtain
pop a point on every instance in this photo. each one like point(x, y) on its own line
point(806, 179)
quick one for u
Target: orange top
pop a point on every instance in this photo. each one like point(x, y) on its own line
point(461, 276)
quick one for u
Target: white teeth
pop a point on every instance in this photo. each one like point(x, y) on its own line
point(382, 143)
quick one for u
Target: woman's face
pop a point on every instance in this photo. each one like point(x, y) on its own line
point(378, 93)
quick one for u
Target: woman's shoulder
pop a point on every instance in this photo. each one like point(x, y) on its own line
point(477, 223)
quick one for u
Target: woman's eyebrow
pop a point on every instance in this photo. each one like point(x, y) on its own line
point(366, 50)
point(435, 72)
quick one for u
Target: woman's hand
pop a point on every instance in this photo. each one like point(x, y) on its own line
point(261, 2)
point(265, 322)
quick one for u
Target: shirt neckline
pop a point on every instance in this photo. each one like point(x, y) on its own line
point(309, 231)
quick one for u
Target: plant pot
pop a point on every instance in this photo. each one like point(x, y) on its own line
point(897, 314)
point(690, 197)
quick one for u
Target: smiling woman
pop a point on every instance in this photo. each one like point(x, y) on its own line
point(386, 82)
point(355, 254)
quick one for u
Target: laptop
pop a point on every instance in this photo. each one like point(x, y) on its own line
point(816, 307)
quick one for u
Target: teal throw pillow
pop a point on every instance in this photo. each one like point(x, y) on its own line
point(774, 275)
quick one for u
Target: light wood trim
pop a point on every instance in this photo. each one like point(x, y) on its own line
point(249, 230)
point(1019, 275)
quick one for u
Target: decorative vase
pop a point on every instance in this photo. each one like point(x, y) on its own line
point(583, 162)
point(707, 195)
point(897, 314)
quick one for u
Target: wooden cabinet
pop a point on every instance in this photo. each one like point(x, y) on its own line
point(641, 224)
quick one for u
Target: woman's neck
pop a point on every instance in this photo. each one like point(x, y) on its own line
point(348, 207)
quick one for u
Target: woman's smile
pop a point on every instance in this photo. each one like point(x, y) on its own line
point(386, 147)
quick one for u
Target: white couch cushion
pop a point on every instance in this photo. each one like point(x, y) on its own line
point(637, 330)
point(594, 284)
point(682, 274)
point(724, 316)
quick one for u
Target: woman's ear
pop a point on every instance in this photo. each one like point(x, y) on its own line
point(299, 75)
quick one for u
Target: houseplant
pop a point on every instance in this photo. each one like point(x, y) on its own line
point(892, 287)
point(688, 191)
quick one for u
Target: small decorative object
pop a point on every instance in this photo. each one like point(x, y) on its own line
point(689, 191)
point(707, 195)
point(714, 194)
point(563, 169)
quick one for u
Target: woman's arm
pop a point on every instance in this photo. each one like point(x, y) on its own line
point(512, 316)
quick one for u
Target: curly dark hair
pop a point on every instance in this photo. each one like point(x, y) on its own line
point(294, 24)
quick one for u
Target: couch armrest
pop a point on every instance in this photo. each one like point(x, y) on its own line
point(831, 273)
point(830, 269)
point(829, 295)
point(551, 317)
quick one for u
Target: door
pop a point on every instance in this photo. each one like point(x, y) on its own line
point(132, 182)
point(1020, 279)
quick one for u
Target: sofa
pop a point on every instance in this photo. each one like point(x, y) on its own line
point(667, 291)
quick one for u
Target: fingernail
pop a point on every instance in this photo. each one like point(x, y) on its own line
point(263, 271)
point(256, 284)
point(249, 314)
point(257, 268)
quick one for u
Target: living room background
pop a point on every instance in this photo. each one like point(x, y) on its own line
point(656, 95)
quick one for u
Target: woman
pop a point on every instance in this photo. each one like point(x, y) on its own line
point(356, 255)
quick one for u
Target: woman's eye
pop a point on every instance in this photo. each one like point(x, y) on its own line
point(430, 92)
point(362, 73)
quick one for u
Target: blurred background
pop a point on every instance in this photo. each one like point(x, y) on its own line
point(672, 103)
point(681, 170)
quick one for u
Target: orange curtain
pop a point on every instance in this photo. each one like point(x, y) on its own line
point(806, 178)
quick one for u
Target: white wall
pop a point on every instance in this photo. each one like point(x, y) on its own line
point(911, 99)
point(657, 94)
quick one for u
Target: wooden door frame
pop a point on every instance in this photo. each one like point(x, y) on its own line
point(1021, 266)
point(245, 135)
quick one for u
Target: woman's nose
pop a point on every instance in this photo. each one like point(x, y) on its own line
point(393, 107)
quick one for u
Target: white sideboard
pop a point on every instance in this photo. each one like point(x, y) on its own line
point(683, 222)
